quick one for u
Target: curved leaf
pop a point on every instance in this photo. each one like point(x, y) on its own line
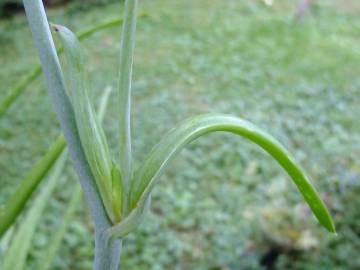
point(91, 133)
point(148, 174)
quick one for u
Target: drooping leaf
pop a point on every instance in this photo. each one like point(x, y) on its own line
point(149, 172)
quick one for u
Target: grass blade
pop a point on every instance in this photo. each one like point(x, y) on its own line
point(29, 184)
point(18, 89)
point(16, 255)
point(148, 174)
point(49, 255)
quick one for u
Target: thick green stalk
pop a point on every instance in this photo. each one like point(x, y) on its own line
point(126, 61)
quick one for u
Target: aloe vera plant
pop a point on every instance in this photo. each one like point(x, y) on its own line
point(119, 195)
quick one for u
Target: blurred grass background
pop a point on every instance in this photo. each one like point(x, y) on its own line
point(223, 204)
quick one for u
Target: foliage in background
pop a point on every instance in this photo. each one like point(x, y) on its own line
point(11, 7)
point(321, 83)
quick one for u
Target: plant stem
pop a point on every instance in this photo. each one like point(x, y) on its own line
point(107, 251)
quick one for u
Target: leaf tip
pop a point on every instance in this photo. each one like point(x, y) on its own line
point(55, 27)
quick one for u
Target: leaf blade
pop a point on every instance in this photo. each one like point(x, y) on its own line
point(29, 184)
point(92, 135)
point(148, 174)
point(127, 45)
point(16, 255)
point(55, 242)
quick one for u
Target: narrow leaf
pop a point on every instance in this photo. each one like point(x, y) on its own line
point(148, 174)
point(29, 184)
point(55, 242)
point(15, 205)
point(16, 255)
point(18, 89)
point(125, 73)
point(46, 261)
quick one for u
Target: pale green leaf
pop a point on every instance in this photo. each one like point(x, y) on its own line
point(127, 45)
point(91, 133)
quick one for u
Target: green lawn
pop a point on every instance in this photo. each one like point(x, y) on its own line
point(223, 204)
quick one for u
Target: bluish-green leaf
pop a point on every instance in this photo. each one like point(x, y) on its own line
point(127, 45)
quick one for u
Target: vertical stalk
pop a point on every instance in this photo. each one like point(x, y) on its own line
point(126, 61)
point(107, 252)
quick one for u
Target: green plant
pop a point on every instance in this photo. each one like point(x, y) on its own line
point(24, 82)
point(15, 257)
point(118, 196)
point(16, 203)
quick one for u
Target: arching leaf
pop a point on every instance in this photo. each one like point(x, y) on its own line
point(148, 174)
